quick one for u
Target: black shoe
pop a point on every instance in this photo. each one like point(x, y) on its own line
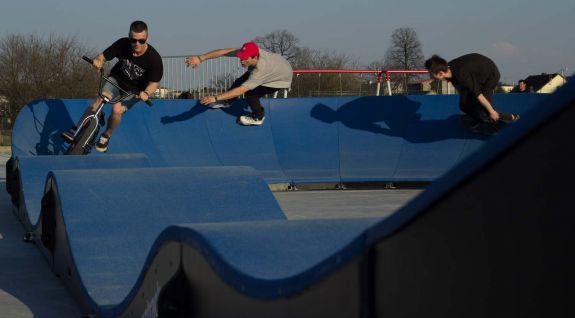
point(102, 144)
point(68, 136)
point(513, 118)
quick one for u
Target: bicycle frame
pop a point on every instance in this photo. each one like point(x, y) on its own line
point(88, 129)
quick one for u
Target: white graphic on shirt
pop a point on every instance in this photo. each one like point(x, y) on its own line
point(131, 70)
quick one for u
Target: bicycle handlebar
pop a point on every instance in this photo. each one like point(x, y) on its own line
point(87, 59)
point(91, 61)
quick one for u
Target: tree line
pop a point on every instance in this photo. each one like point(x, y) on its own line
point(34, 67)
point(405, 52)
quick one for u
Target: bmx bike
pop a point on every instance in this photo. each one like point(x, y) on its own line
point(85, 136)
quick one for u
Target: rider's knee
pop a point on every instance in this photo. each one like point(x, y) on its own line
point(118, 109)
point(107, 94)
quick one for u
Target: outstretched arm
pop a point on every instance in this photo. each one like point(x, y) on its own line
point(196, 60)
point(234, 92)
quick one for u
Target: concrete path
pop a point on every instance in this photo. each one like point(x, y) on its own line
point(28, 288)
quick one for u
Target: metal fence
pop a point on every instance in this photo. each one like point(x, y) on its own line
point(211, 77)
point(216, 76)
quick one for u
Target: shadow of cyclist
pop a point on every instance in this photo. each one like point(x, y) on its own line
point(49, 118)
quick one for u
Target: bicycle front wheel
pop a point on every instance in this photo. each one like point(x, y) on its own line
point(83, 141)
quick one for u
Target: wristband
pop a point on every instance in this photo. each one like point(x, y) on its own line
point(216, 98)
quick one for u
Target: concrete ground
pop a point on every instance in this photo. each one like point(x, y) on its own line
point(28, 288)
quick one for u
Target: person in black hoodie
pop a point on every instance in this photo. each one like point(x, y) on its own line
point(475, 77)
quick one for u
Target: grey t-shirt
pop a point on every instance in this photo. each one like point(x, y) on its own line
point(272, 70)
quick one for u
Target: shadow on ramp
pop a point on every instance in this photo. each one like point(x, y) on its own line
point(47, 117)
point(238, 108)
point(397, 116)
point(486, 239)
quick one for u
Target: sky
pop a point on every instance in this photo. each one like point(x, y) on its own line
point(523, 37)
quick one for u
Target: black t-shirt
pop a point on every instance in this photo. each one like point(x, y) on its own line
point(474, 73)
point(134, 73)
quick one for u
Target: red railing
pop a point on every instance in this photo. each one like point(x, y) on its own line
point(218, 74)
point(379, 74)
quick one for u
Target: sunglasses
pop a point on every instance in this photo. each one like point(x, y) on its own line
point(141, 41)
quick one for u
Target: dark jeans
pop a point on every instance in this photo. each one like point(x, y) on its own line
point(469, 104)
point(253, 96)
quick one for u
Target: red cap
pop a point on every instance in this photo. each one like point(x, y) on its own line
point(249, 49)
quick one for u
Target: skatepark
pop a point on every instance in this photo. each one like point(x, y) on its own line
point(337, 207)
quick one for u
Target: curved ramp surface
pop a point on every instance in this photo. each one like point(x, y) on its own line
point(99, 236)
point(334, 140)
point(485, 240)
point(32, 172)
point(491, 238)
point(241, 257)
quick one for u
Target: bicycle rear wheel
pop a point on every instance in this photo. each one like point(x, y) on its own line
point(84, 139)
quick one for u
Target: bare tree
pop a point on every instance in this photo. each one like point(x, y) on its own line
point(33, 67)
point(281, 42)
point(285, 43)
point(317, 84)
point(223, 81)
point(405, 53)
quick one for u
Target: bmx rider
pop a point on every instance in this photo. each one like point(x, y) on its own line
point(139, 70)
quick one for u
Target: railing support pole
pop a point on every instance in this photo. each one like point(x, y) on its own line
point(388, 80)
point(378, 87)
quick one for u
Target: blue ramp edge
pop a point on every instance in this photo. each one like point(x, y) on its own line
point(33, 171)
point(37, 128)
point(548, 107)
point(308, 149)
point(343, 139)
point(110, 231)
point(406, 138)
point(272, 259)
point(283, 267)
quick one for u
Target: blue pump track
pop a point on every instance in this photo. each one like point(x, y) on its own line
point(177, 219)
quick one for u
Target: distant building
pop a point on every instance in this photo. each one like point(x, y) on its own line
point(432, 87)
point(504, 88)
point(544, 83)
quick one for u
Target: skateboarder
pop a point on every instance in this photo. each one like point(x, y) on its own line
point(475, 77)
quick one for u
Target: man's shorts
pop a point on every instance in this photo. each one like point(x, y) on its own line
point(114, 92)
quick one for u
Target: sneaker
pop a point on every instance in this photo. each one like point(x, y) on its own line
point(514, 118)
point(250, 121)
point(102, 144)
point(68, 136)
point(217, 105)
